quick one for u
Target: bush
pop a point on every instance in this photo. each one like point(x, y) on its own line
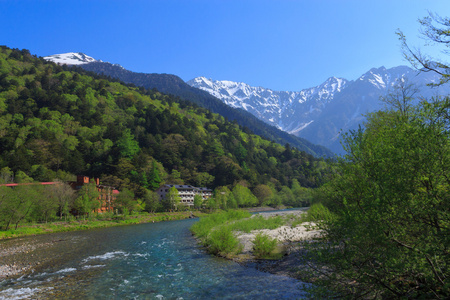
point(318, 212)
point(222, 241)
point(264, 246)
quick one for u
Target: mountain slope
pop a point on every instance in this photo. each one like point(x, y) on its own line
point(319, 114)
point(171, 84)
point(57, 121)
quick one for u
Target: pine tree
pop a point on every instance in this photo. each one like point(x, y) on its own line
point(154, 179)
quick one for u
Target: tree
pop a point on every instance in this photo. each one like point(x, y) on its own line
point(390, 230)
point(211, 203)
point(45, 203)
point(125, 202)
point(244, 196)
point(154, 179)
point(436, 31)
point(6, 175)
point(152, 201)
point(15, 204)
point(65, 196)
point(263, 193)
point(172, 199)
point(198, 201)
point(127, 145)
point(87, 200)
point(221, 196)
point(401, 97)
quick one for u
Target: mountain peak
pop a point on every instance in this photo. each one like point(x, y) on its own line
point(71, 58)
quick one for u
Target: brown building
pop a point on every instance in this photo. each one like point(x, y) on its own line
point(107, 194)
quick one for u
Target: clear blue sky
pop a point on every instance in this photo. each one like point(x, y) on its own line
point(278, 44)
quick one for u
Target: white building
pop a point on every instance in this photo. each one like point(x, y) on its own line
point(186, 193)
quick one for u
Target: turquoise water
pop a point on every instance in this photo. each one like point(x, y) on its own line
point(148, 261)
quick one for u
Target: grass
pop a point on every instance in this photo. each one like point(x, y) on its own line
point(102, 221)
point(202, 228)
point(264, 247)
point(215, 235)
point(256, 223)
point(215, 232)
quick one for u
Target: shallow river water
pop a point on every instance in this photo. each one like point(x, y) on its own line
point(147, 261)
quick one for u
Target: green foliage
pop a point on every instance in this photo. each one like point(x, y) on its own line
point(15, 205)
point(203, 227)
point(318, 212)
point(263, 193)
point(152, 201)
point(264, 246)
point(244, 197)
point(87, 202)
point(257, 222)
point(128, 147)
point(198, 201)
point(125, 203)
point(216, 232)
point(55, 118)
point(154, 179)
point(222, 241)
point(389, 230)
point(172, 199)
point(59, 121)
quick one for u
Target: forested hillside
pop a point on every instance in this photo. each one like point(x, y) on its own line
point(56, 122)
point(174, 85)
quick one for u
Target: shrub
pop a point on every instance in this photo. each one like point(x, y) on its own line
point(222, 241)
point(264, 246)
point(318, 212)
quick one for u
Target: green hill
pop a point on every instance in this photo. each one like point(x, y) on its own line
point(56, 122)
point(171, 84)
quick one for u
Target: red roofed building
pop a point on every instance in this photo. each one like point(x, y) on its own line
point(107, 194)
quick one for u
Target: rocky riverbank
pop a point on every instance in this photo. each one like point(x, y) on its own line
point(288, 238)
point(24, 255)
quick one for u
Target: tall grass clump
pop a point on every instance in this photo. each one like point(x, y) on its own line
point(264, 247)
point(202, 228)
point(222, 241)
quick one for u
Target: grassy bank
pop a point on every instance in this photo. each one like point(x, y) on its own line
point(217, 232)
point(99, 221)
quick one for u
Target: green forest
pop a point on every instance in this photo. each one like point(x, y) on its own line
point(57, 122)
point(385, 216)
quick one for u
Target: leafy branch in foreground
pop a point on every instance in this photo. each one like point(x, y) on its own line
point(390, 228)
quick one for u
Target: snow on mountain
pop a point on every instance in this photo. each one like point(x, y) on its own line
point(71, 58)
point(319, 114)
point(274, 107)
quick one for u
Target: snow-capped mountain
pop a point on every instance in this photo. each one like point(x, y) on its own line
point(319, 114)
point(71, 58)
point(273, 107)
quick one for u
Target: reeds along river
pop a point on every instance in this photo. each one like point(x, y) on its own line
point(147, 261)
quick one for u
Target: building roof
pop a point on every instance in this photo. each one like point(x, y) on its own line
point(184, 186)
point(29, 183)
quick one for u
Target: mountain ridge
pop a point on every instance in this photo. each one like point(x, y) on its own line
point(172, 84)
point(321, 113)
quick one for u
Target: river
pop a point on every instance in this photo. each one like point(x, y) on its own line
point(146, 261)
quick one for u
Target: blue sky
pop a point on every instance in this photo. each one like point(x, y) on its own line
point(279, 44)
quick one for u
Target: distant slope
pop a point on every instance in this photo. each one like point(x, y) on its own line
point(171, 84)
